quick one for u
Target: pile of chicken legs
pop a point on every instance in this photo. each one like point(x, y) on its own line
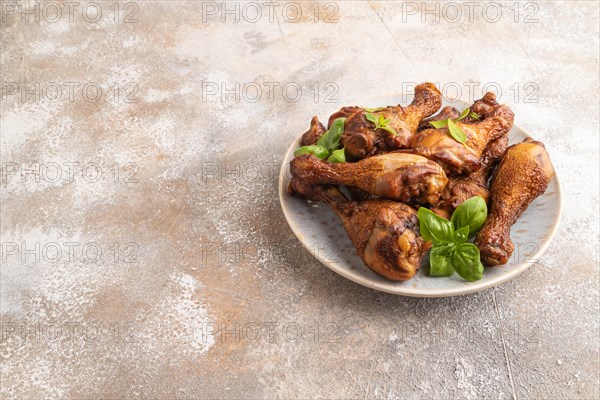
point(388, 176)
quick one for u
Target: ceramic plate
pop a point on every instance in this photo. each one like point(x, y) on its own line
point(322, 233)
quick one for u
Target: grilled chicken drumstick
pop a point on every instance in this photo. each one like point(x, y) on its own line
point(405, 177)
point(458, 159)
point(523, 175)
point(445, 113)
point(361, 139)
point(315, 132)
point(463, 188)
point(385, 233)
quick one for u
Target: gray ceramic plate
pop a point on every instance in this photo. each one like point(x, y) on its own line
point(322, 233)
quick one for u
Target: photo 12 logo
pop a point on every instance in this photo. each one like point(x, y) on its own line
point(516, 92)
point(54, 92)
point(69, 11)
point(271, 11)
point(68, 172)
point(239, 172)
point(70, 331)
point(253, 92)
point(69, 252)
point(469, 11)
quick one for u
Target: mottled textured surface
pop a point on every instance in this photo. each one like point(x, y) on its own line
point(187, 217)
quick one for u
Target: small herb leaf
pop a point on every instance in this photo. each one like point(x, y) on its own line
point(389, 129)
point(452, 122)
point(439, 261)
point(472, 213)
point(371, 117)
point(331, 139)
point(433, 227)
point(466, 262)
point(372, 110)
point(461, 235)
point(439, 124)
point(456, 132)
point(316, 150)
point(327, 146)
point(337, 156)
point(463, 115)
point(455, 254)
point(381, 123)
point(474, 115)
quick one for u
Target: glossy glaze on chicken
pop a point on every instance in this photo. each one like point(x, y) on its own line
point(523, 175)
point(495, 121)
point(385, 233)
point(404, 177)
point(390, 175)
point(361, 139)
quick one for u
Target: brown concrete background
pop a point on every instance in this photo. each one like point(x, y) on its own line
point(201, 290)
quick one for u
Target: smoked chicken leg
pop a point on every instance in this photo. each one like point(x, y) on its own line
point(361, 139)
point(445, 113)
point(458, 159)
point(523, 175)
point(405, 177)
point(385, 233)
point(463, 188)
point(314, 133)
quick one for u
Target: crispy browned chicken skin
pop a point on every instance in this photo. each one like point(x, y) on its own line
point(447, 112)
point(361, 139)
point(405, 177)
point(385, 233)
point(463, 188)
point(458, 159)
point(314, 133)
point(523, 175)
point(423, 166)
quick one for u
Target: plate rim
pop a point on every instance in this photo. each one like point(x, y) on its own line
point(468, 288)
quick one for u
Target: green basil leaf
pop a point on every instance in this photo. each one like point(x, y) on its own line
point(465, 260)
point(314, 149)
point(463, 115)
point(389, 129)
point(474, 116)
point(456, 132)
point(433, 227)
point(371, 118)
point(472, 213)
point(381, 123)
point(461, 235)
point(439, 124)
point(439, 260)
point(331, 139)
point(337, 156)
point(372, 110)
